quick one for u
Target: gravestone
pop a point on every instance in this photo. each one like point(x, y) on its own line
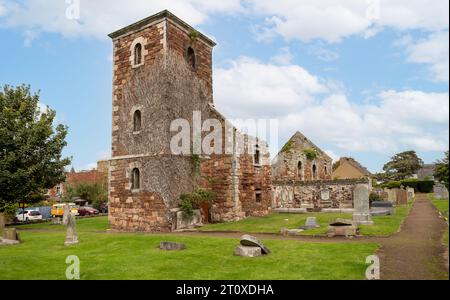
point(382, 208)
point(342, 227)
point(184, 222)
point(411, 193)
point(170, 246)
point(311, 223)
point(440, 191)
point(66, 212)
point(71, 236)
point(361, 214)
point(251, 241)
point(247, 251)
point(10, 236)
point(392, 195)
point(402, 197)
point(325, 195)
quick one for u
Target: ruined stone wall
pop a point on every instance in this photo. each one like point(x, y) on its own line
point(163, 89)
point(315, 194)
point(178, 41)
point(124, 72)
point(285, 166)
point(163, 180)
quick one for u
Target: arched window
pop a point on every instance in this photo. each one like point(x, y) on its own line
point(191, 57)
point(257, 157)
point(135, 179)
point(300, 170)
point(326, 170)
point(138, 54)
point(314, 169)
point(137, 122)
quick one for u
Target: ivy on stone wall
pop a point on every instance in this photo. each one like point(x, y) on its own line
point(287, 147)
point(310, 154)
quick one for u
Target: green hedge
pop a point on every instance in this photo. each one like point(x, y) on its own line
point(420, 186)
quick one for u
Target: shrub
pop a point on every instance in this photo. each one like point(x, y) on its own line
point(426, 186)
point(374, 197)
point(193, 200)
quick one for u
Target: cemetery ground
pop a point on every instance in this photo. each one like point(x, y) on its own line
point(384, 225)
point(416, 252)
point(137, 256)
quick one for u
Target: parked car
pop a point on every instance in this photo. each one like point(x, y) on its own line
point(87, 211)
point(104, 208)
point(28, 216)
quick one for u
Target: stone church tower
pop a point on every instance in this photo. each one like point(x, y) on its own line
point(163, 72)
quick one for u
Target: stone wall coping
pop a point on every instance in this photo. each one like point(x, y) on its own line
point(165, 14)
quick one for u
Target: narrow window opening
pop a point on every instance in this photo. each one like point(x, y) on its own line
point(137, 121)
point(257, 157)
point(135, 179)
point(138, 54)
point(258, 194)
point(191, 58)
point(314, 169)
point(300, 170)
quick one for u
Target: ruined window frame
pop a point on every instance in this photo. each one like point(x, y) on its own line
point(191, 54)
point(137, 115)
point(314, 172)
point(300, 170)
point(258, 196)
point(138, 54)
point(135, 180)
point(257, 157)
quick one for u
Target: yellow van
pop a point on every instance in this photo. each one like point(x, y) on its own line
point(58, 209)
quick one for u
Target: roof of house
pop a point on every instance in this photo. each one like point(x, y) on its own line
point(356, 165)
point(165, 14)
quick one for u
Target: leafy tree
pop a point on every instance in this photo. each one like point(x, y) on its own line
point(95, 193)
point(30, 147)
point(403, 165)
point(441, 174)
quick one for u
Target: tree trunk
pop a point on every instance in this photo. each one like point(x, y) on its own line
point(2, 222)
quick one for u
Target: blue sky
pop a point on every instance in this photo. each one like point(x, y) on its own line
point(364, 79)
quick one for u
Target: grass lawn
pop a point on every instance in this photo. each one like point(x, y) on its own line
point(384, 225)
point(442, 206)
point(136, 256)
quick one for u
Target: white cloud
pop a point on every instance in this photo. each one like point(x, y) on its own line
point(249, 87)
point(2, 9)
point(100, 17)
point(331, 20)
point(392, 121)
point(284, 57)
point(322, 53)
point(433, 51)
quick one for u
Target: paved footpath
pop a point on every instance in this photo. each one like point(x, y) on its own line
point(416, 252)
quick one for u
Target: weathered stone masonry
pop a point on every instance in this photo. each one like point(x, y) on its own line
point(162, 87)
point(310, 194)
